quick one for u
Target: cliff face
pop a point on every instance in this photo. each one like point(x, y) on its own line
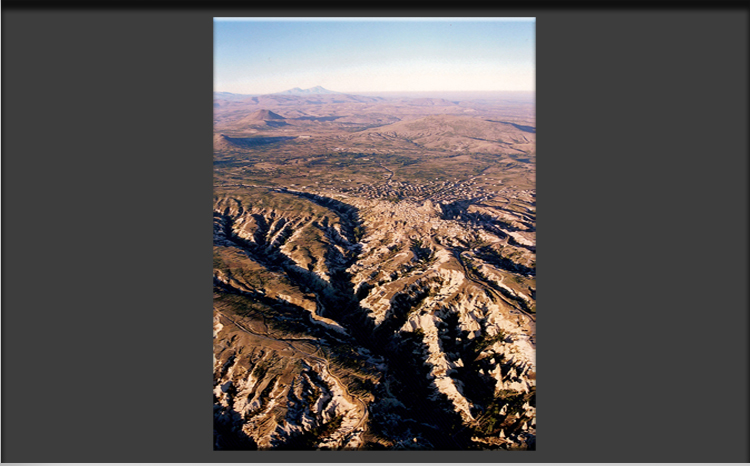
point(346, 322)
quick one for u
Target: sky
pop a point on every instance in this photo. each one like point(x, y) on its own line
point(266, 55)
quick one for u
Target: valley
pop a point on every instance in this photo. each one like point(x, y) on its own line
point(374, 271)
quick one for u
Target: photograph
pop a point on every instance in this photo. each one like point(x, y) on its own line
point(374, 233)
point(373, 179)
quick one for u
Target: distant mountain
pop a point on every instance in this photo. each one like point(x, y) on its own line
point(312, 90)
point(263, 117)
point(296, 101)
point(264, 114)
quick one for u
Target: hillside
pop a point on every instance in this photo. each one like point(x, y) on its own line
point(262, 117)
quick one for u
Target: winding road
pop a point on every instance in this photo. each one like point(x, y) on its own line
point(390, 172)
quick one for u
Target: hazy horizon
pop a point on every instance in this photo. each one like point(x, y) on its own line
point(392, 93)
point(374, 55)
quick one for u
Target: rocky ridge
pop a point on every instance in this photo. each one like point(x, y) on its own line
point(426, 279)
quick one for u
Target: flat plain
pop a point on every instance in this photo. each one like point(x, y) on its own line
point(374, 271)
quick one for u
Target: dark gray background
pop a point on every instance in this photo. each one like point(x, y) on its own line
point(106, 241)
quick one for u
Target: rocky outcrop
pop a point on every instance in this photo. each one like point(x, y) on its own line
point(362, 293)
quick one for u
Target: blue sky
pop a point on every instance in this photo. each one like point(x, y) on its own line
point(259, 55)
